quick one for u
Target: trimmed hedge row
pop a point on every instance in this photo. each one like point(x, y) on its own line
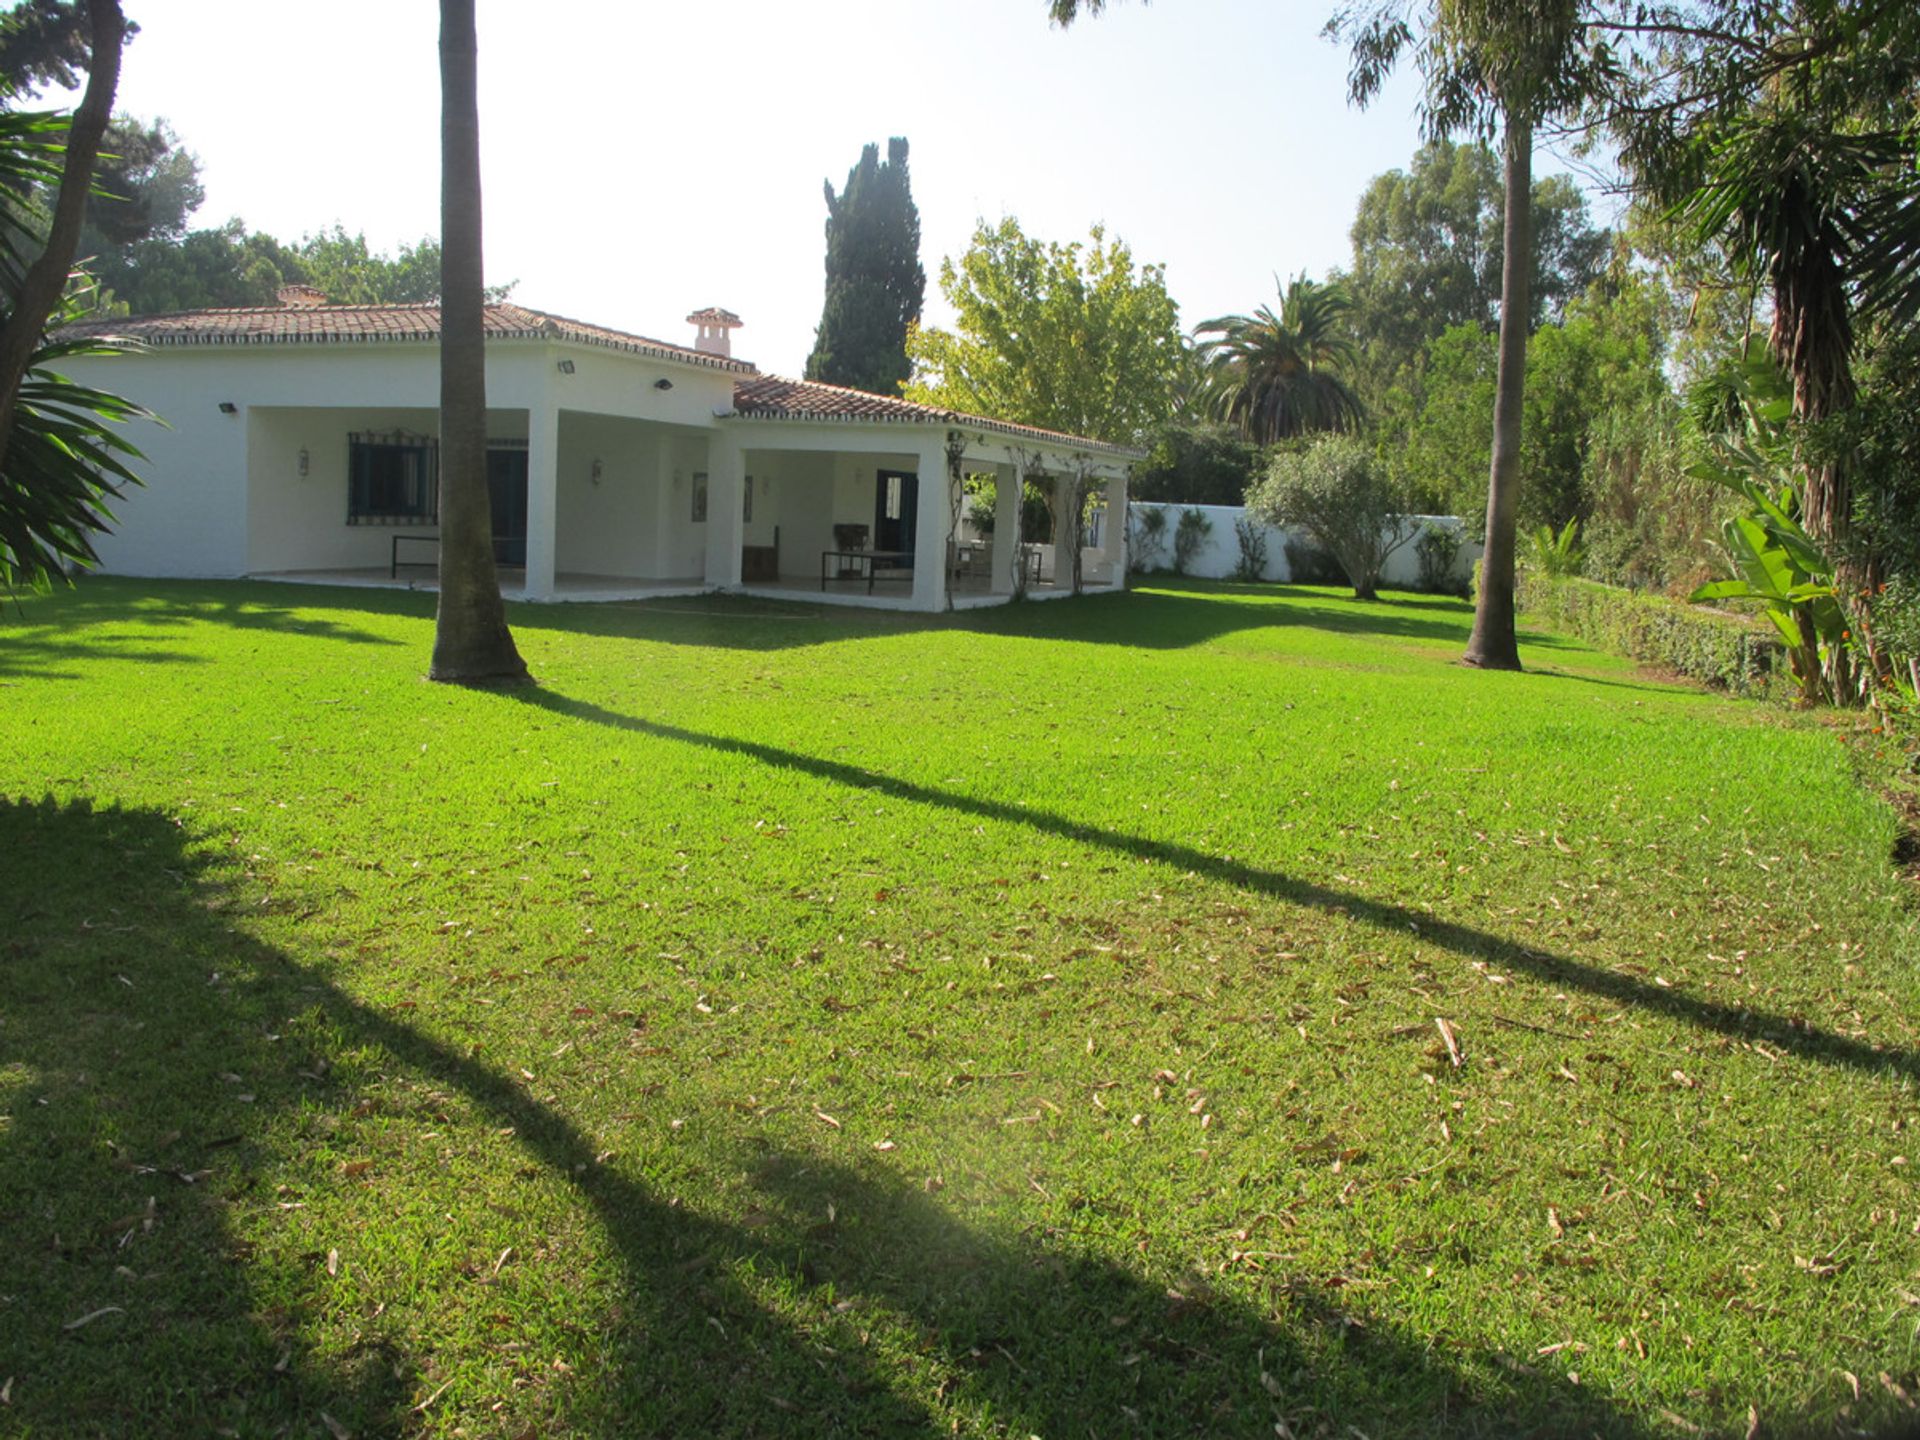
point(1730, 652)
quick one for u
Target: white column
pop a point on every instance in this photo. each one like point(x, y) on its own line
point(1008, 489)
point(726, 477)
point(665, 513)
point(932, 526)
point(543, 497)
point(1114, 551)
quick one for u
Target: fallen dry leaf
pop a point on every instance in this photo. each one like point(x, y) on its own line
point(91, 1316)
point(333, 1262)
point(825, 1119)
point(1553, 1223)
point(1452, 1039)
point(335, 1428)
point(355, 1167)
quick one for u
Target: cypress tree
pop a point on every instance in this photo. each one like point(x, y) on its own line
point(875, 283)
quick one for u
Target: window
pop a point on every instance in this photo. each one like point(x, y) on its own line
point(699, 497)
point(890, 505)
point(393, 479)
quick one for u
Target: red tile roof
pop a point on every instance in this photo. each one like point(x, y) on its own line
point(755, 397)
point(349, 324)
point(770, 397)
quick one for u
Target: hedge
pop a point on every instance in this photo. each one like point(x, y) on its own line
point(1727, 651)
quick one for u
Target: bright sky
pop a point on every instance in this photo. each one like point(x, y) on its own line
point(643, 160)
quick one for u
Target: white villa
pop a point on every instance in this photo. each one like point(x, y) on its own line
point(302, 445)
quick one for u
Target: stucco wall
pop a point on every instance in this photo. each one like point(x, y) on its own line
point(1219, 554)
point(199, 515)
point(607, 528)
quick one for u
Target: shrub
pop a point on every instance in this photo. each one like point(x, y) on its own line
point(1310, 564)
point(1337, 492)
point(1188, 537)
point(1729, 652)
point(1252, 538)
point(1438, 550)
point(1149, 537)
point(1556, 555)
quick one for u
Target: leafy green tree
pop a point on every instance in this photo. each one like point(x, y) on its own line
point(46, 42)
point(1275, 376)
point(1599, 415)
point(58, 456)
point(1196, 465)
point(1426, 256)
point(1074, 338)
point(352, 274)
point(221, 267)
point(1336, 489)
point(875, 283)
point(146, 185)
point(471, 642)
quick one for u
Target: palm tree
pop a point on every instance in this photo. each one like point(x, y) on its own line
point(471, 642)
point(58, 459)
point(1276, 376)
point(1489, 65)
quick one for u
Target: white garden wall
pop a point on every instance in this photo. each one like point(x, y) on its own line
point(1219, 553)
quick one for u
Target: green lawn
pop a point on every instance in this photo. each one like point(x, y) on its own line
point(788, 1022)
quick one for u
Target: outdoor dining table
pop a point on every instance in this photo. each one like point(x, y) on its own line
point(865, 563)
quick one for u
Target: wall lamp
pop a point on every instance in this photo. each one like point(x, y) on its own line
point(595, 472)
point(227, 407)
point(663, 383)
point(303, 462)
point(566, 367)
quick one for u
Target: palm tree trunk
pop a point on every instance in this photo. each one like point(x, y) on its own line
point(25, 325)
point(471, 642)
point(1493, 645)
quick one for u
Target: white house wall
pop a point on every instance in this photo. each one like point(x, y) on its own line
point(608, 528)
point(195, 514)
point(190, 518)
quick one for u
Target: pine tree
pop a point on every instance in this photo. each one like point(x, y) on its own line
point(875, 283)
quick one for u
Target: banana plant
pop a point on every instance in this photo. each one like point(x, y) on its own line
point(1774, 560)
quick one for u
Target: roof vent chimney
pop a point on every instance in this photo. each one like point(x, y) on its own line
point(300, 297)
point(714, 336)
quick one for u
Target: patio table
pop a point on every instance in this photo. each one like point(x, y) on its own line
point(867, 563)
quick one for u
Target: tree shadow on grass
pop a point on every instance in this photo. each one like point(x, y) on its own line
point(1794, 1036)
point(133, 1005)
point(140, 608)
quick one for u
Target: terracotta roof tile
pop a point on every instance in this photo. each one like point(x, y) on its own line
point(771, 397)
point(348, 324)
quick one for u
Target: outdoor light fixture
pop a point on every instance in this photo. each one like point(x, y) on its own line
point(663, 383)
point(303, 462)
point(594, 472)
point(227, 407)
point(566, 367)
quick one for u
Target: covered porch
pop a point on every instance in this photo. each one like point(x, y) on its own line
point(871, 516)
point(584, 505)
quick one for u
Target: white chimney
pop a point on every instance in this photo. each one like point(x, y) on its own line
point(713, 336)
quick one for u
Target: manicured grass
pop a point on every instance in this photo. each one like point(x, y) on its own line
point(788, 1022)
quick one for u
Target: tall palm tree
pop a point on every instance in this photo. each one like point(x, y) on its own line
point(58, 459)
point(1273, 376)
point(471, 642)
point(1489, 65)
